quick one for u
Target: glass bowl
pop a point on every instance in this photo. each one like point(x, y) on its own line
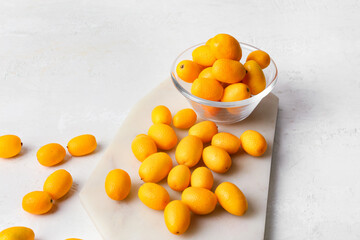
point(224, 112)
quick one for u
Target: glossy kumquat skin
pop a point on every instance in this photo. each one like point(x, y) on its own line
point(231, 198)
point(254, 78)
point(217, 159)
point(253, 143)
point(228, 71)
point(204, 130)
point(225, 46)
point(184, 118)
point(161, 114)
point(203, 56)
point(58, 184)
point(10, 146)
point(202, 177)
point(179, 178)
point(188, 151)
point(207, 74)
point(82, 145)
point(227, 141)
point(208, 42)
point(17, 233)
point(51, 154)
point(188, 70)
point(163, 135)
point(37, 202)
point(177, 217)
point(143, 146)
point(155, 167)
point(117, 184)
point(236, 92)
point(208, 89)
point(154, 196)
point(199, 200)
point(261, 57)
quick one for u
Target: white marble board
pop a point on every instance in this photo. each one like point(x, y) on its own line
point(130, 219)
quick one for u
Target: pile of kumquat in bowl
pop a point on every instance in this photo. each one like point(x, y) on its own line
point(223, 79)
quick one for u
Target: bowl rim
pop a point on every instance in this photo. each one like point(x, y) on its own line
point(253, 99)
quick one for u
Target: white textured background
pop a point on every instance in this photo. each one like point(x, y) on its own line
point(73, 67)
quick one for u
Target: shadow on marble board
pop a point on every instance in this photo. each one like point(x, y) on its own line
point(291, 102)
point(269, 222)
